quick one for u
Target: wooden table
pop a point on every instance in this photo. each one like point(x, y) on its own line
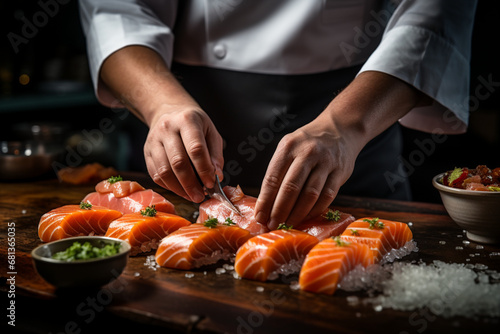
point(146, 299)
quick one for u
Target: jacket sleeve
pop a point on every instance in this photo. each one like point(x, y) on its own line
point(110, 25)
point(427, 43)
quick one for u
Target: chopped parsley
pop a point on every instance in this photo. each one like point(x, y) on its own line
point(149, 211)
point(354, 232)
point(374, 223)
point(114, 179)
point(229, 222)
point(341, 243)
point(85, 205)
point(211, 222)
point(77, 251)
point(284, 226)
point(332, 215)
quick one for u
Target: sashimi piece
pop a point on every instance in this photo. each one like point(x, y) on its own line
point(118, 188)
point(196, 245)
point(213, 208)
point(329, 224)
point(371, 232)
point(135, 202)
point(400, 231)
point(261, 257)
point(329, 261)
point(144, 232)
point(75, 220)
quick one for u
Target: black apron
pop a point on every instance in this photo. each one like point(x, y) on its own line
point(252, 112)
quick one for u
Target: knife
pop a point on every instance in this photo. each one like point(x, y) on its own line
point(217, 193)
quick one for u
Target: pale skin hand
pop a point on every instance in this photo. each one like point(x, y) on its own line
point(311, 164)
point(180, 132)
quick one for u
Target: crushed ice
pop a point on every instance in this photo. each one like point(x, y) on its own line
point(151, 262)
point(446, 289)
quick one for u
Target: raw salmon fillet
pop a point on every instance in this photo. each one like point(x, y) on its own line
point(380, 235)
point(329, 224)
point(144, 233)
point(119, 188)
point(196, 245)
point(213, 208)
point(127, 197)
point(329, 261)
point(71, 221)
point(262, 256)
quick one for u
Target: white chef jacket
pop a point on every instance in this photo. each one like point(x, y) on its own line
point(425, 43)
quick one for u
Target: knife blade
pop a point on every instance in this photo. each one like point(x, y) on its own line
point(217, 193)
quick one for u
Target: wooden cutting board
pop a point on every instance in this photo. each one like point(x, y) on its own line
point(211, 301)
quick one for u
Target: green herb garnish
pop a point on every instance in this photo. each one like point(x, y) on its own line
point(332, 215)
point(86, 251)
point(229, 222)
point(211, 222)
point(454, 175)
point(354, 232)
point(284, 226)
point(493, 188)
point(149, 211)
point(85, 205)
point(374, 223)
point(114, 179)
point(340, 242)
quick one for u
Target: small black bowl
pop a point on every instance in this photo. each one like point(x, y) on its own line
point(79, 273)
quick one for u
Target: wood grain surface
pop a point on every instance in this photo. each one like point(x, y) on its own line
point(203, 301)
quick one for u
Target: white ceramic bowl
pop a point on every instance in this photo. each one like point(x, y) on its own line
point(477, 212)
point(80, 273)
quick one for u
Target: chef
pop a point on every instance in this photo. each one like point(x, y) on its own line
point(302, 98)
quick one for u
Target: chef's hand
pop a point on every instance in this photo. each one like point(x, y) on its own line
point(312, 163)
point(178, 138)
point(181, 135)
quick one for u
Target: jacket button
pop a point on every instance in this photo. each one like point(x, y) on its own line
point(220, 51)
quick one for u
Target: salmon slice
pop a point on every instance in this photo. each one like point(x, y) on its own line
point(400, 231)
point(72, 220)
point(261, 257)
point(119, 189)
point(329, 224)
point(329, 261)
point(142, 232)
point(213, 208)
point(132, 203)
point(371, 232)
point(197, 245)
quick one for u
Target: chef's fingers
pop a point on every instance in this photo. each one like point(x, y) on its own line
point(292, 187)
point(312, 194)
point(275, 173)
point(159, 167)
point(215, 147)
point(180, 163)
point(328, 194)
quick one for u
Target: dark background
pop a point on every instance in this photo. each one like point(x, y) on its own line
point(59, 90)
